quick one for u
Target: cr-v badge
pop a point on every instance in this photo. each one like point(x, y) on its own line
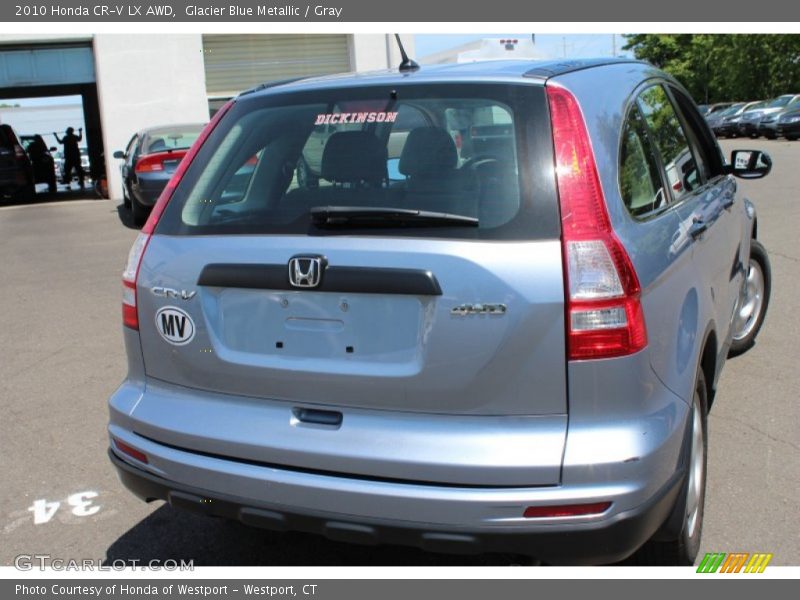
point(478, 309)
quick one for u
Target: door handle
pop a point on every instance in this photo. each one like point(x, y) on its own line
point(699, 226)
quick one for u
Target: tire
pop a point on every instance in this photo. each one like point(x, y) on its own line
point(750, 315)
point(52, 186)
point(771, 136)
point(687, 516)
point(305, 177)
point(138, 212)
point(791, 138)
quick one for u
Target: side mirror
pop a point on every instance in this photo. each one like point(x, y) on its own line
point(119, 154)
point(53, 149)
point(750, 164)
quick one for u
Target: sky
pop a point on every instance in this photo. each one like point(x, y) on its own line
point(555, 46)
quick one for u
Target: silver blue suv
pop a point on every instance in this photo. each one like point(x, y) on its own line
point(493, 322)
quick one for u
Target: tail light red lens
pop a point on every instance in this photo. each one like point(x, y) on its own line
point(130, 317)
point(603, 310)
point(566, 510)
point(130, 451)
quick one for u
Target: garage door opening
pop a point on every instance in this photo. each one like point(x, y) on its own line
point(43, 91)
point(41, 125)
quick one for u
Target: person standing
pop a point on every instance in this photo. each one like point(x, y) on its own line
point(72, 155)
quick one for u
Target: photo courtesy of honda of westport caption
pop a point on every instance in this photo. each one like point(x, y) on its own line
point(468, 308)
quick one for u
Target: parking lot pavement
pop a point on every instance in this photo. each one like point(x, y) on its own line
point(61, 356)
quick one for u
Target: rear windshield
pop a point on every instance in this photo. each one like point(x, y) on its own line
point(171, 139)
point(480, 151)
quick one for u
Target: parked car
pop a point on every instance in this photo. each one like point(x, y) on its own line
point(728, 124)
point(789, 124)
point(16, 172)
point(485, 354)
point(714, 119)
point(749, 123)
point(768, 125)
point(149, 160)
point(42, 161)
point(712, 109)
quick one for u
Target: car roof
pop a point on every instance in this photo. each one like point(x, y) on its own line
point(162, 129)
point(493, 70)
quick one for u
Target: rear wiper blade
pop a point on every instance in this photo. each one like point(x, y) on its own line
point(359, 216)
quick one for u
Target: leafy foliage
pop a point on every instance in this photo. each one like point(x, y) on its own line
point(730, 67)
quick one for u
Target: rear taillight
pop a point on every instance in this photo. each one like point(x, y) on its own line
point(603, 311)
point(154, 163)
point(130, 315)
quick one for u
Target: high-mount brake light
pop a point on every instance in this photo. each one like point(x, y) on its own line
point(603, 309)
point(130, 315)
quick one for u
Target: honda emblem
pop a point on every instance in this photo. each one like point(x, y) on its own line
point(305, 271)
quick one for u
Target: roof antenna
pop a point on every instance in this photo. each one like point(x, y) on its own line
point(407, 64)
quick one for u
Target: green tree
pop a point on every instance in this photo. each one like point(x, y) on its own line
point(719, 68)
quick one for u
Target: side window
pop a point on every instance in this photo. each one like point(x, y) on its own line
point(678, 160)
point(704, 144)
point(639, 180)
point(131, 145)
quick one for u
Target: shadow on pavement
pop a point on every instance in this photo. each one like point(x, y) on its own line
point(63, 194)
point(170, 534)
point(126, 217)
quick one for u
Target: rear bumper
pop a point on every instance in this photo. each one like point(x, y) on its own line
point(574, 541)
point(148, 187)
point(226, 455)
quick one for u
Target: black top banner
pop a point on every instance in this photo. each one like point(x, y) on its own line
point(441, 11)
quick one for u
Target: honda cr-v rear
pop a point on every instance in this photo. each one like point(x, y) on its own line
point(443, 340)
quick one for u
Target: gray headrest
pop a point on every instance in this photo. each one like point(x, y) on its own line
point(427, 151)
point(354, 156)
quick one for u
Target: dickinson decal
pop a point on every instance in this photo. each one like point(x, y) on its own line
point(355, 117)
point(175, 325)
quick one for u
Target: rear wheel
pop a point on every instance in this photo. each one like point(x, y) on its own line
point(791, 138)
point(687, 516)
point(754, 301)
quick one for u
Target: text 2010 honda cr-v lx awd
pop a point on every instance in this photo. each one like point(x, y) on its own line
point(492, 319)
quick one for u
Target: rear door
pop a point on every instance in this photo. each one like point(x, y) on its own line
point(242, 293)
point(704, 197)
point(717, 197)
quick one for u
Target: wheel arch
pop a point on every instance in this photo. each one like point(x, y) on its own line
point(709, 360)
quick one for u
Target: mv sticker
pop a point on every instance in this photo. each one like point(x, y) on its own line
point(175, 325)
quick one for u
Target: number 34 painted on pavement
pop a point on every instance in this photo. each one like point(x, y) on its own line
point(81, 504)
